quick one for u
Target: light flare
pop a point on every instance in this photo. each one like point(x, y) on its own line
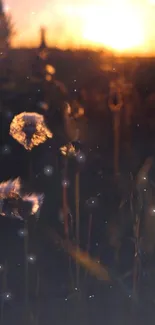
point(124, 25)
point(118, 26)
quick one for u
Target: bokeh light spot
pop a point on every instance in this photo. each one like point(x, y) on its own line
point(48, 170)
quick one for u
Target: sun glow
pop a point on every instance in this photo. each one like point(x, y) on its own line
point(126, 26)
point(117, 27)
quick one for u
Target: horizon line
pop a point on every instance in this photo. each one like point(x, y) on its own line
point(105, 51)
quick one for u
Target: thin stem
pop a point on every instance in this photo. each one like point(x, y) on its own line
point(4, 287)
point(135, 271)
point(89, 231)
point(89, 236)
point(66, 221)
point(136, 258)
point(77, 199)
point(37, 297)
point(116, 142)
point(128, 111)
point(65, 205)
point(70, 259)
point(26, 240)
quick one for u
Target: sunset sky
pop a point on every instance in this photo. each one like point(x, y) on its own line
point(124, 25)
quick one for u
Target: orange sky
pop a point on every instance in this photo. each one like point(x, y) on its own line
point(127, 26)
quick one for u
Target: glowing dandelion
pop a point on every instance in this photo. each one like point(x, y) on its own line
point(68, 150)
point(50, 69)
point(11, 199)
point(64, 150)
point(11, 202)
point(35, 199)
point(29, 129)
point(10, 189)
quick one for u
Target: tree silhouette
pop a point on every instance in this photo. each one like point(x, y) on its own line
point(6, 28)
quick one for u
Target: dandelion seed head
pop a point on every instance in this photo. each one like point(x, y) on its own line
point(35, 199)
point(29, 129)
point(50, 69)
point(68, 150)
point(10, 189)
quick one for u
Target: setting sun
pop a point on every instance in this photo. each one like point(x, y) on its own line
point(126, 26)
point(117, 27)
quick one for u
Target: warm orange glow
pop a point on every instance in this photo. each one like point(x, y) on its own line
point(21, 124)
point(118, 26)
point(126, 26)
point(35, 199)
point(75, 110)
point(115, 97)
point(43, 54)
point(10, 189)
point(50, 69)
point(68, 109)
point(80, 112)
point(44, 106)
point(82, 258)
point(48, 77)
point(68, 150)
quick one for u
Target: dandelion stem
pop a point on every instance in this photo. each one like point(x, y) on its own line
point(65, 205)
point(4, 286)
point(116, 142)
point(26, 239)
point(37, 296)
point(77, 224)
point(89, 236)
